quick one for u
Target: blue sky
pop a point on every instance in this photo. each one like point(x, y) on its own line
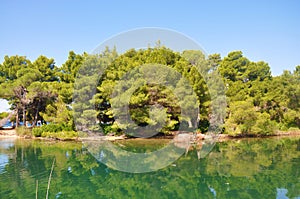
point(263, 30)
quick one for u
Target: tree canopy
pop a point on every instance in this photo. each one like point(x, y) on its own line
point(157, 86)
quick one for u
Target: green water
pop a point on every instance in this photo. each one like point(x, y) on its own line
point(250, 168)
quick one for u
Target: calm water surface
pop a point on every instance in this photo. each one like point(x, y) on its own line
point(250, 168)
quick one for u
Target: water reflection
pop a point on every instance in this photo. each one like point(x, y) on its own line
point(3, 162)
point(4, 158)
point(281, 193)
point(265, 168)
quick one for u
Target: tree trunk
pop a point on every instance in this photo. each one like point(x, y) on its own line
point(24, 115)
point(17, 118)
point(190, 123)
point(36, 114)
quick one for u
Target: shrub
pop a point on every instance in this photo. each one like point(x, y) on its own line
point(293, 129)
point(22, 131)
point(264, 126)
point(37, 131)
point(51, 128)
point(63, 135)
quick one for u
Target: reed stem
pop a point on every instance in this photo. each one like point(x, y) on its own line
point(49, 180)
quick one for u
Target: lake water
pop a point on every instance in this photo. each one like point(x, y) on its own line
point(248, 168)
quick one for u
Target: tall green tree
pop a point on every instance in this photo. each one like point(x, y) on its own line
point(153, 94)
point(69, 69)
point(46, 67)
point(84, 103)
point(21, 85)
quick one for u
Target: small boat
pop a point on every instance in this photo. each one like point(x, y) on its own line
point(7, 127)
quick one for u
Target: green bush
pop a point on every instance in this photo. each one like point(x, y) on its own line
point(293, 129)
point(22, 131)
point(264, 126)
point(37, 131)
point(114, 129)
point(106, 129)
point(51, 128)
point(291, 119)
point(63, 135)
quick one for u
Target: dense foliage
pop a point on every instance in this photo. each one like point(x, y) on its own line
point(257, 102)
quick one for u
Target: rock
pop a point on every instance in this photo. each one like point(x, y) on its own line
point(27, 137)
point(182, 140)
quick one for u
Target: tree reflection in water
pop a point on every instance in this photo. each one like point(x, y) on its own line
point(248, 168)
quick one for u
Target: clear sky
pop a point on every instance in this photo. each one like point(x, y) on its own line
point(263, 30)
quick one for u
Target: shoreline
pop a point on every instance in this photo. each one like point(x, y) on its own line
point(279, 134)
point(221, 137)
